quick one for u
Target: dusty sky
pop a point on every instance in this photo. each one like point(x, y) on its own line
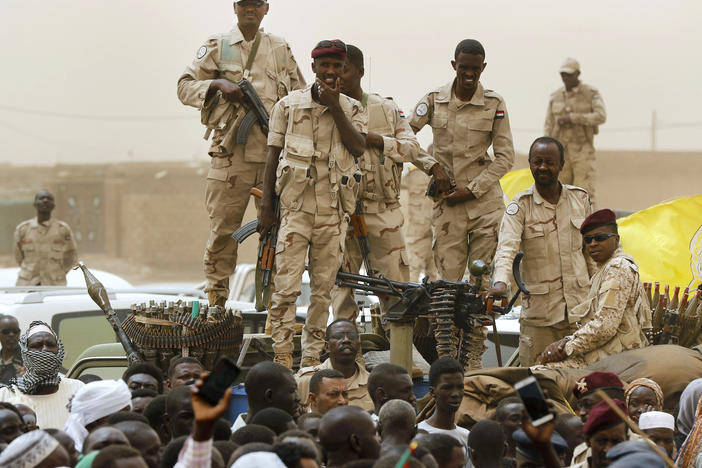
point(121, 59)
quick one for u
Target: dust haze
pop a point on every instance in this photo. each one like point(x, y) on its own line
point(89, 81)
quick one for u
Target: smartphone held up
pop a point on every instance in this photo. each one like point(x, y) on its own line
point(534, 401)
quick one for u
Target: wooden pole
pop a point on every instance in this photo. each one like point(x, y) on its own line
point(634, 428)
point(401, 344)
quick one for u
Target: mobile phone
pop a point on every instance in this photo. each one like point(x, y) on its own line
point(219, 381)
point(534, 401)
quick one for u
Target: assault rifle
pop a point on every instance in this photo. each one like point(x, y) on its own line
point(266, 253)
point(449, 304)
point(256, 113)
point(360, 232)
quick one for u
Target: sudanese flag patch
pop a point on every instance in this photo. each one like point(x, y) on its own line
point(500, 114)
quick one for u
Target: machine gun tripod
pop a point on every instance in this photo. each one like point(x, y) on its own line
point(451, 306)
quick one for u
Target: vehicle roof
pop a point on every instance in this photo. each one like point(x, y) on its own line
point(74, 278)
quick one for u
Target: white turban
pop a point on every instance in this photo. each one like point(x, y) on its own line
point(28, 450)
point(94, 401)
point(656, 420)
point(267, 459)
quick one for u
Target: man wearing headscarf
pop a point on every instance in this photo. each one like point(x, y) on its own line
point(34, 449)
point(91, 406)
point(41, 387)
point(643, 395)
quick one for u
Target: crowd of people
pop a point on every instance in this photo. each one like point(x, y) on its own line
point(331, 151)
point(315, 418)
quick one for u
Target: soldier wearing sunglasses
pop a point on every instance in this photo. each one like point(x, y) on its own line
point(11, 365)
point(614, 315)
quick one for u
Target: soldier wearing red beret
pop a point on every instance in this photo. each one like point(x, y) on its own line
point(614, 315)
point(603, 430)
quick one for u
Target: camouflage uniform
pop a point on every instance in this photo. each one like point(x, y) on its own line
point(613, 315)
point(418, 228)
point(14, 367)
point(356, 385)
point(587, 110)
point(380, 193)
point(235, 169)
point(45, 252)
point(317, 190)
point(554, 266)
point(463, 132)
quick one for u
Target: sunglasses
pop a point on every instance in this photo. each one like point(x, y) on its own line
point(335, 44)
point(255, 3)
point(598, 237)
point(7, 331)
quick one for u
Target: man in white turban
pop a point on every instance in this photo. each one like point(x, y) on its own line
point(92, 405)
point(41, 387)
point(34, 449)
point(660, 428)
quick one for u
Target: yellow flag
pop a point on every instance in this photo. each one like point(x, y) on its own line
point(666, 241)
point(515, 182)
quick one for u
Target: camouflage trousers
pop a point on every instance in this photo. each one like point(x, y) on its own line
point(387, 256)
point(459, 240)
point(533, 340)
point(229, 181)
point(418, 231)
point(579, 167)
point(320, 238)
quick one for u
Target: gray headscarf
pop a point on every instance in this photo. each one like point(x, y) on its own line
point(688, 406)
point(42, 366)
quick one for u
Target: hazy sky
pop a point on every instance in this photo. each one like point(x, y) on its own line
point(122, 58)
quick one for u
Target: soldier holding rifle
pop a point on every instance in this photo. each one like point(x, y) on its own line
point(228, 72)
point(315, 136)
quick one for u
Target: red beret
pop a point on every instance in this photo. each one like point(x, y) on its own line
point(603, 417)
point(595, 380)
point(333, 47)
point(597, 219)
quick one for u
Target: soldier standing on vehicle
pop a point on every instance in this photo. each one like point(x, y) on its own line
point(544, 221)
point(315, 136)
point(390, 142)
point(210, 85)
point(466, 120)
point(44, 248)
point(573, 116)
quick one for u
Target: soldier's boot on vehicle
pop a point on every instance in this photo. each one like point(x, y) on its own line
point(215, 299)
point(285, 359)
point(309, 361)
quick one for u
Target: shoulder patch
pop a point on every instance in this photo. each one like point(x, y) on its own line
point(421, 109)
point(500, 114)
point(201, 52)
point(512, 209)
point(400, 113)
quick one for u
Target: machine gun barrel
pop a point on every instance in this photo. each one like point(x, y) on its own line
point(98, 294)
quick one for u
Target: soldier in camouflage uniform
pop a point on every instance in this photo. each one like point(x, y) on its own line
point(418, 229)
point(209, 85)
point(574, 113)
point(44, 248)
point(466, 120)
point(315, 136)
point(614, 315)
point(389, 144)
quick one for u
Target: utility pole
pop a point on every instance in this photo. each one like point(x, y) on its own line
point(654, 129)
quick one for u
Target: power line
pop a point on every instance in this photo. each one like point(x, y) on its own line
point(111, 118)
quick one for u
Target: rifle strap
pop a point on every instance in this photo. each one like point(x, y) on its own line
point(252, 55)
